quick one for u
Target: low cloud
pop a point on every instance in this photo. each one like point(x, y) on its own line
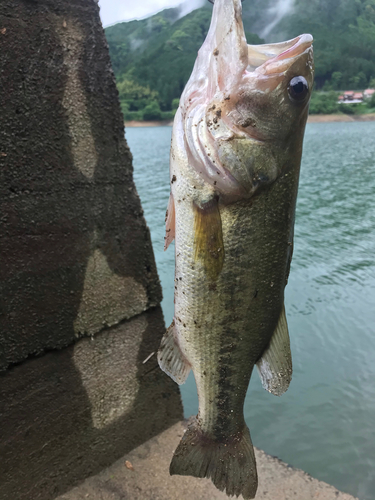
point(114, 11)
point(274, 15)
point(190, 5)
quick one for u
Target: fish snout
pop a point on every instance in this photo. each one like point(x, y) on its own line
point(277, 57)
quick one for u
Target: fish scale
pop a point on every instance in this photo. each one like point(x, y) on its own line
point(235, 159)
point(210, 315)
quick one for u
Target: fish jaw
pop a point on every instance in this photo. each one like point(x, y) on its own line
point(223, 56)
point(238, 99)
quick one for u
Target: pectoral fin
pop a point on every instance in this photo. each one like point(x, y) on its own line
point(170, 223)
point(208, 238)
point(275, 365)
point(170, 357)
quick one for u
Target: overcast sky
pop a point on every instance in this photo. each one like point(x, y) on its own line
point(113, 11)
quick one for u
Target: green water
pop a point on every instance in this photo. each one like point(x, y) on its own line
point(325, 423)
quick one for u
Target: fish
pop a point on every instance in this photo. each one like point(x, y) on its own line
point(234, 171)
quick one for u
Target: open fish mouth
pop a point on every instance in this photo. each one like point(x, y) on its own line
point(270, 56)
point(277, 57)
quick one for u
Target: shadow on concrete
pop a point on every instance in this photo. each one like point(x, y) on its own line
point(48, 442)
point(54, 216)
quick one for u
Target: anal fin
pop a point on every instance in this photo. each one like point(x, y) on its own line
point(170, 357)
point(275, 365)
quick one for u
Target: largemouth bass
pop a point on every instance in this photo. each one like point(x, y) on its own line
point(234, 167)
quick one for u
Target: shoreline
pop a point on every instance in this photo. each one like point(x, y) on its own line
point(312, 119)
point(135, 124)
point(341, 118)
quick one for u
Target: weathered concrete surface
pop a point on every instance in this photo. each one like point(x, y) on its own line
point(79, 292)
point(75, 251)
point(69, 413)
point(150, 478)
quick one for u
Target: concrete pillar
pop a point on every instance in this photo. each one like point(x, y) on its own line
point(79, 292)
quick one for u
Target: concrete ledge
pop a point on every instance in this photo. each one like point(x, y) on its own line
point(69, 414)
point(150, 478)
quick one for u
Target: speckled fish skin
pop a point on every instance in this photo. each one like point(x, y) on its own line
point(235, 160)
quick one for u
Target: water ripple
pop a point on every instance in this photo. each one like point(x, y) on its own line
point(324, 423)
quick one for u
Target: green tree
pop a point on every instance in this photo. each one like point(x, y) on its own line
point(358, 81)
point(324, 103)
point(175, 103)
point(152, 111)
point(336, 80)
point(371, 102)
point(134, 95)
point(131, 90)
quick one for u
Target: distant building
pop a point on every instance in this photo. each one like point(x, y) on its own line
point(351, 97)
point(368, 93)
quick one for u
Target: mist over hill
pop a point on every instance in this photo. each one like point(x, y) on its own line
point(153, 58)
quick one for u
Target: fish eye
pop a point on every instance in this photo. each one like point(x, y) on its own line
point(298, 88)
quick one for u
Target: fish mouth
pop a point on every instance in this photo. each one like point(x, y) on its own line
point(274, 58)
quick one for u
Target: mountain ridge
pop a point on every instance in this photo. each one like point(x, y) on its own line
point(152, 58)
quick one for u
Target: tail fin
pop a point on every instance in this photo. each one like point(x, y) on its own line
point(230, 464)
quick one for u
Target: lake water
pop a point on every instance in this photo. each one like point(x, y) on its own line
point(325, 423)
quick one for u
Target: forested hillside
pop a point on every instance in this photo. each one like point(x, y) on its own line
point(153, 58)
